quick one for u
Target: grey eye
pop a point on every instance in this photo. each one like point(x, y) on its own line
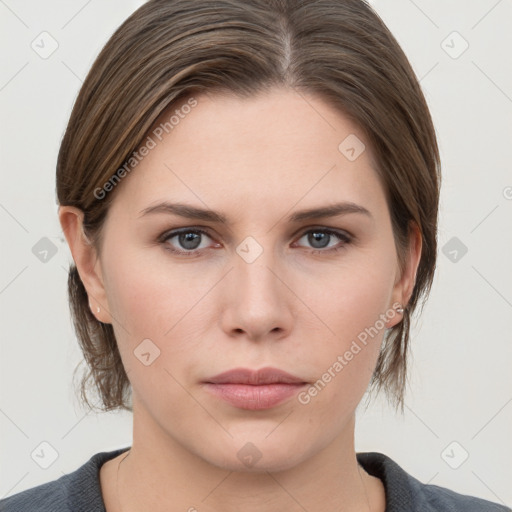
point(318, 239)
point(190, 240)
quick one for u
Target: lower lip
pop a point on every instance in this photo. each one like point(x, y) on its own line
point(254, 398)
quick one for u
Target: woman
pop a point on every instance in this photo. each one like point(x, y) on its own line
point(250, 194)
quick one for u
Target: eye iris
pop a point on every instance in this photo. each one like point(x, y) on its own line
point(322, 238)
point(189, 240)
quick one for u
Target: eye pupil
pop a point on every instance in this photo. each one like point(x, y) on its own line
point(322, 238)
point(189, 240)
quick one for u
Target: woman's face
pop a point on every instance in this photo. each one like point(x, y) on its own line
point(269, 286)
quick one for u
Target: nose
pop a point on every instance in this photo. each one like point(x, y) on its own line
point(256, 302)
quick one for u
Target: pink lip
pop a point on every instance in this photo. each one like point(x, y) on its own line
point(254, 389)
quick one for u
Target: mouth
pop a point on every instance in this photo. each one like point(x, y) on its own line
point(254, 389)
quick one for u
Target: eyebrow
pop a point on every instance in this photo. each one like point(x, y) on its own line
point(192, 212)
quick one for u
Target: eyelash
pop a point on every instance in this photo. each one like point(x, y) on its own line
point(165, 237)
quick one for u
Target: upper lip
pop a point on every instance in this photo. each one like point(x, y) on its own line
point(262, 376)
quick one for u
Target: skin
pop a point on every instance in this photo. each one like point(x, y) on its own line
point(257, 161)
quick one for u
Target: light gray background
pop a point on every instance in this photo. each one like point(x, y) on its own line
point(461, 383)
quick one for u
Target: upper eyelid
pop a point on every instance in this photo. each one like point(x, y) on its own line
point(342, 235)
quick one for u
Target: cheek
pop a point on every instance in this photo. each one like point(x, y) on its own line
point(172, 306)
point(154, 301)
point(355, 310)
point(351, 298)
point(147, 293)
point(152, 311)
point(169, 305)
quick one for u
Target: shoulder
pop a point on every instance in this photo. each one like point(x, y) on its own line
point(43, 498)
point(440, 498)
point(79, 491)
point(406, 493)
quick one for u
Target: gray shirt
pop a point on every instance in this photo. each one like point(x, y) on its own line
point(80, 490)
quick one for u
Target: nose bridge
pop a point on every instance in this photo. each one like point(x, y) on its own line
point(257, 302)
point(255, 281)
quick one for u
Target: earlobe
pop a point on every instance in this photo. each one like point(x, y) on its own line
point(86, 260)
point(404, 288)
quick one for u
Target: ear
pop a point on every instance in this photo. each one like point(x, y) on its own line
point(86, 260)
point(404, 287)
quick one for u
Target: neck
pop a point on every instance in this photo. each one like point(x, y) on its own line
point(158, 472)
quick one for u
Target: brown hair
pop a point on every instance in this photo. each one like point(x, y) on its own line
point(170, 49)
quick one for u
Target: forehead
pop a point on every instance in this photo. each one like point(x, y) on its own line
point(269, 151)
